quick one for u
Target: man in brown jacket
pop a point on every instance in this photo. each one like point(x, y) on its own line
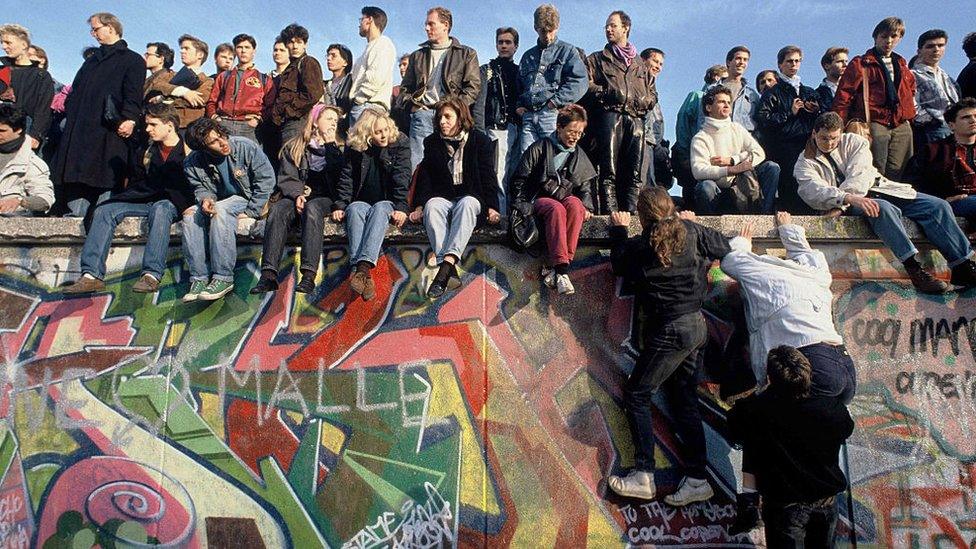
point(441, 67)
point(622, 92)
point(159, 63)
point(188, 89)
point(300, 86)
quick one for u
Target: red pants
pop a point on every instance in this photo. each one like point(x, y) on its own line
point(562, 223)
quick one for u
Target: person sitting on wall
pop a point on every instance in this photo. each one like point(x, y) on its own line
point(722, 151)
point(788, 302)
point(668, 265)
point(835, 170)
point(160, 193)
point(372, 192)
point(456, 183)
point(553, 181)
point(309, 172)
point(793, 438)
point(25, 181)
point(232, 179)
point(947, 168)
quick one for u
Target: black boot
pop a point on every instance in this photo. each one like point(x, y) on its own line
point(746, 513)
point(964, 274)
point(608, 197)
point(267, 283)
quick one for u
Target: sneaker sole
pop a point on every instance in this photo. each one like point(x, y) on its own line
point(675, 503)
point(190, 298)
point(633, 494)
point(214, 297)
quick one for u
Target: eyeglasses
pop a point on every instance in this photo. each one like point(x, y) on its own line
point(94, 30)
point(148, 54)
point(573, 133)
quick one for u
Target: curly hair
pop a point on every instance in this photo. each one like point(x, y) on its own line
point(198, 131)
point(667, 233)
point(361, 134)
point(789, 372)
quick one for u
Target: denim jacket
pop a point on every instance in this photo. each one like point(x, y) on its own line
point(744, 107)
point(555, 73)
point(249, 167)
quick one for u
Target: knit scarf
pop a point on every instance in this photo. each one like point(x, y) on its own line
point(455, 149)
point(316, 155)
point(891, 81)
point(627, 54)
point(562, 153)
point(13, 145)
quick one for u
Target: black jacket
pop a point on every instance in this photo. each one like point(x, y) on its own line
point(33, 90)
point(156, 179)
point(536, 167)
point(293, 179)
point(616, 87)
point(967, 80)
point(395, 160)
point(793, 444)
point(91, 153)
point(495, 107)
point(666, 293)
point(479, 179)
point(784, 133)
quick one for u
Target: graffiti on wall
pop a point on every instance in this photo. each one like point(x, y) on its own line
point(491, 416)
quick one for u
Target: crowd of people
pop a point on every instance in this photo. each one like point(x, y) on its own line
point(556, 137)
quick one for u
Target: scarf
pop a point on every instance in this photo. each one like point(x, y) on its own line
point(891, 81)
point(455, 149)
point(627, 54)
point(316, 155)
point(13, 145)
point(795, 81)
point(562, 153)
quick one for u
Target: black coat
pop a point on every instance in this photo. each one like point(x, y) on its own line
point(394, 169)
point(784, 133)
point(293, 179)
point(479, 179)
point(536, 167)
point(33, 89)
point(91, 153)
point(156, 179)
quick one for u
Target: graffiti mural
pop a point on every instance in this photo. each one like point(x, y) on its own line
point(490, 417)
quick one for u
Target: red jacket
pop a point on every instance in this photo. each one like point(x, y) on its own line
point(849, 101)
point(237, 95)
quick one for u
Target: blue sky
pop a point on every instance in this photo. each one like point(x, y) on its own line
point(694, 34)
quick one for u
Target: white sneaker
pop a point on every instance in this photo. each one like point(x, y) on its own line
point(689, 491)
point(548, 275)
point(564, 286)
point(637, 484)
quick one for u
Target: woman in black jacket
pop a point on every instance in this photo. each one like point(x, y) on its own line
point(372, 192)
point(307, 178)
point(456, 183)
point(668, 265)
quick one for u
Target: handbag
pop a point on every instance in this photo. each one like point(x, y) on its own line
point(523, 231)
point(556, 187)
point(110, 112)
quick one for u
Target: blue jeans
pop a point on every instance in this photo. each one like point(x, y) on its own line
point(506, 143)
point(421, 125)
point(965, 207)
point(161, 215)
point(366, 227)
point(796, 525)
point(535, 126)
point(357, 110)
point(708, 195)
point(934, 216)
point(450, 224)
point(219, 234)
point(78, 207)
point(832, 370)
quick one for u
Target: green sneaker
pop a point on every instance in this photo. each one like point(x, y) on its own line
point(196, 288)
point(216, 290)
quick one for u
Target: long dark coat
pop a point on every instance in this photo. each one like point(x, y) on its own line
point(91, 153)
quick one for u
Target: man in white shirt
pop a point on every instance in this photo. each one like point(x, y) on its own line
point(372, 73)
point(722, 150)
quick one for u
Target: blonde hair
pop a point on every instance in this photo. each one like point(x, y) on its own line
point(295, 147)
point(16, 30)
point(361, 135)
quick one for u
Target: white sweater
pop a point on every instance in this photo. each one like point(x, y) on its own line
point(722, 138)
point(372, 74)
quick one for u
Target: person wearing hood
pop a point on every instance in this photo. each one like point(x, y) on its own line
point(25, 184)
point(723, 150)
point(100, 116)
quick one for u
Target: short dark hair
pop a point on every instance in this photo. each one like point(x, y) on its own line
point(507, 30)
point(969, 44)
point(789, 372)
point(787, 50)
point(199, 129)
point(293, 31)
point(377, 15)
point(828, 56)
point(761, 75)
point(43, 55)
point(222, 48)
point(953, 111)
point(624, 19)
point(931, 34)
point(465, 120)
point(198, 44)
point(12, 116)
point(569, 114)
point(729, 56)
point(164, 51)
point(162, 111)
point(712, 93)
point(444, 15)
point(889, 25)
point(344, 52)
point(829, 121)
point(648, 52)
point(245, 38)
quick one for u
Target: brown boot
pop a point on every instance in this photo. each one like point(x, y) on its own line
point(358, 282)
point(85, 285)
point(146, 284)
point(924, 282)
point(369, 290)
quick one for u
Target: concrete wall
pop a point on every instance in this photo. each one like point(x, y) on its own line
point(490, 417)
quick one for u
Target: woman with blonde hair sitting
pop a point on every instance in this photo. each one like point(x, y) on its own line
point(307, 177)
point(372, 192)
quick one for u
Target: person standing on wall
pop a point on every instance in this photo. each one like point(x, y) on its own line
point(372, 73)
point(240, 95)
point(300, 85)
point(31, 86)
point(668, 264)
